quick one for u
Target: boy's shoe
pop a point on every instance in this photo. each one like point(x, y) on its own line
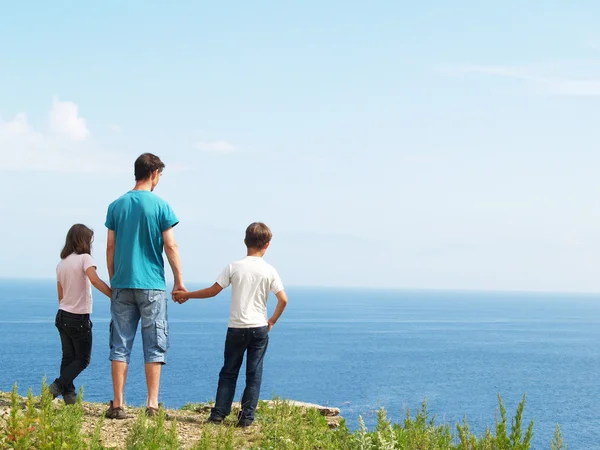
point(115, 413)
point(70, 398)
point(214, 420)
point(242, 423)
point(55, 389)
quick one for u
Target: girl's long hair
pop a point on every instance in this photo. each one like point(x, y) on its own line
point(79, 240)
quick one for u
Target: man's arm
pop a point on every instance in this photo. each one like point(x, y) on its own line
point(60, 291)
point(182, 296)
point(282, 302)
point(172, 252)
point(110, 253)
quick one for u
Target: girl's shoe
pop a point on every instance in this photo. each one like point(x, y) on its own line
point(55, 389)
point(70, 398)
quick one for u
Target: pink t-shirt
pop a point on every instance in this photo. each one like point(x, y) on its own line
point(76, 286)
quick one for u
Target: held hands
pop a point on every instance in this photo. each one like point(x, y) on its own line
point(180, 296)
point(179, 289)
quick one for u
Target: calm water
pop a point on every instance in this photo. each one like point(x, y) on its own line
point(357, 349)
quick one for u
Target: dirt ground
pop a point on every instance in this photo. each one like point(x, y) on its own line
point(190, 423)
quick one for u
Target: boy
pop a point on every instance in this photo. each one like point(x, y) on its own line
point(251, 281)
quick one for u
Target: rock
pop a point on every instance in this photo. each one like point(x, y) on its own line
point(327, 411)
point(333, 421)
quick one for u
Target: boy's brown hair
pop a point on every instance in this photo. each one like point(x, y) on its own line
point(257, 235)
point(79, 241)
point(145, 165)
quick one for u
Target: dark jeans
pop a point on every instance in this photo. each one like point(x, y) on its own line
point(76, 337)
point(252, 341)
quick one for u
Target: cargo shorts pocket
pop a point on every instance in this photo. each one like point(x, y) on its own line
point(155, 295)
point(162, 335)
point(110, 334)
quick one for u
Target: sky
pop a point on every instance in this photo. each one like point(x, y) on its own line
point(388, 144)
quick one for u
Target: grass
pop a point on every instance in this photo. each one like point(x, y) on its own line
point(152, 434)
point(40, 423)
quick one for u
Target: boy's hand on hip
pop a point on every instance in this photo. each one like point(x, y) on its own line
point(270, 325)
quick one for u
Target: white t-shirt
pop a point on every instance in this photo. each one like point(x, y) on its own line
point(251, 281)
point(76, 286)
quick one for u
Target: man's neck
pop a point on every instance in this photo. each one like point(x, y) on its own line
point(256, 252)
point(143, 185)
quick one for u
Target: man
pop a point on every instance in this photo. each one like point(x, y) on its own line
point(140, 225)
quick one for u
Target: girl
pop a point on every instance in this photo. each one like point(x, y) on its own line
point(75, 275)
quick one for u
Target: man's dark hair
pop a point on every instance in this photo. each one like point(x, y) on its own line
point(257, 235)
point(145, 165)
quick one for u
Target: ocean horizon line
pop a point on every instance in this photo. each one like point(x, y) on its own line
point(465, 290)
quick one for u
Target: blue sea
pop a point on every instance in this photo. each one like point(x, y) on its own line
point(356, 349)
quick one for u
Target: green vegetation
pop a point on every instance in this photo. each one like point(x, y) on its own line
point(149, 434)
point(40, 423)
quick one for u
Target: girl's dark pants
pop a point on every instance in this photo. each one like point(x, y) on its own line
point(76, 337)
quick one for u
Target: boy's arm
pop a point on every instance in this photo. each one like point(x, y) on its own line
point(183, 296)
point(282, 302)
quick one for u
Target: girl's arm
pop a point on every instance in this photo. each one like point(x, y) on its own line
point(60, 291)
point(97, 282)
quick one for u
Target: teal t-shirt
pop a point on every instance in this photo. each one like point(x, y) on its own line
point(138, 219)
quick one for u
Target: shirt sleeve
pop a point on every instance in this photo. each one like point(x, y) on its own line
point(88, 262)
point(276, 284)
point(224, 279)
point(110, 221)
point(168, 218)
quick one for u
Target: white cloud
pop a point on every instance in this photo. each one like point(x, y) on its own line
point(19, 129)
point(66, 122)
point(63, 148)
point(216, 146)
point(550, 85)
